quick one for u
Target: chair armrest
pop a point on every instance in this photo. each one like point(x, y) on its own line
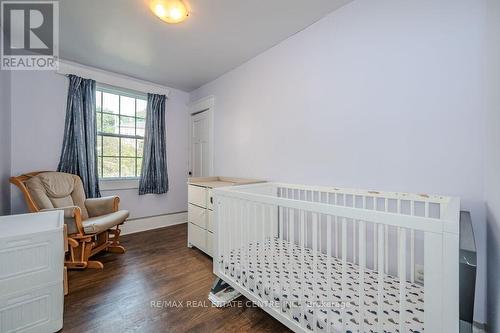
point(72, 218)
point(102, 206)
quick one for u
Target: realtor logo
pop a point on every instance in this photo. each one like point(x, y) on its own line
point(30, 35)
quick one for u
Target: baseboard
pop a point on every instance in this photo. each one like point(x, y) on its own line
point(153, 222)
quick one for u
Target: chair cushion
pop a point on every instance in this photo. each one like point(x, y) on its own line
point(57, 190)
point(102, 223)
point(57, 184)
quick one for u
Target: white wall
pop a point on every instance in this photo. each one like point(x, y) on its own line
point(4, 142)
point(38, 112)
point(492, 164)
point(379, 94)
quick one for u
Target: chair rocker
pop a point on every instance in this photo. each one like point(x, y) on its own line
point(92, 224)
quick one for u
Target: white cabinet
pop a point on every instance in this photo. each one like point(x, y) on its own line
point(31, 272)
point(200, 209)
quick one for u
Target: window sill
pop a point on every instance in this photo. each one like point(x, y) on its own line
point(118, 184)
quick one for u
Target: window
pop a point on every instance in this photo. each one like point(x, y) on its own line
point(120, 133)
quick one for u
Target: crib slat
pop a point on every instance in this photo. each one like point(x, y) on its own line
point(344, 271)
point(262, 216)
point(402, 280)
point(230, 231)
point(223, 244)
point(380, 283)
point(386, 248)
point(412, 255)
point(354, 238)
point(338, 226)
point(362, 265)
point(329, 292)
point(302, 264)
point(291, 237)
point(280, 222)
point(315, 266)
point(241, 238)
point(244, 230)
point(337, 237)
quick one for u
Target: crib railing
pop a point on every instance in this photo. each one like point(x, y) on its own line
point(356, 251)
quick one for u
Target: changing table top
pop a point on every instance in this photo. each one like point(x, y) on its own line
point(213, 182)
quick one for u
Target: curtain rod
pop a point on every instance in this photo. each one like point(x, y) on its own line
point(111, 79)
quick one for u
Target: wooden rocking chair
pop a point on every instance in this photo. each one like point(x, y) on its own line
point(90, 222)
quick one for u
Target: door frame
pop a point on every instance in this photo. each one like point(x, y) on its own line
point(206, 104)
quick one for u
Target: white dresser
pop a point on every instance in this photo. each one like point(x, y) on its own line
point(200, 209)
point(31, 272)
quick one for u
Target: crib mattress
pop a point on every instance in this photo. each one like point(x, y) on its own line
point(300, 287)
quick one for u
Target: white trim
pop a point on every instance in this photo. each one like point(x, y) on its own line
point(118, 184)
point(132, 226)
point(204, 104)
point(113, 79)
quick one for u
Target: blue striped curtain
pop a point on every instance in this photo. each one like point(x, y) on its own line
point(79, 150)
point(154, 177)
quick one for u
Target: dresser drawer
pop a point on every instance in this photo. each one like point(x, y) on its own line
point(197, 196)
point(210, 244)
point(210, 221)
point(197, 215)
point(197, 236)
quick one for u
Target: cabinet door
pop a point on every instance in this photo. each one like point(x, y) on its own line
point(197, 195)
point(197, 215)
point(197, 236)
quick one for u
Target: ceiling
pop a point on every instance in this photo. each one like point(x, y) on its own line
point(123, 36)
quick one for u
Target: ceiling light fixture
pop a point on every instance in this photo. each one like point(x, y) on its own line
point(170, 11)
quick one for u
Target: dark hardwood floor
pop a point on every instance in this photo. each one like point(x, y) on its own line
point(159, 268)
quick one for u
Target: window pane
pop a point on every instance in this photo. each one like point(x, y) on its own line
point(127, 125)
point(141, 108)
point(128, 167)
point(140, 127)
point(140, 148)
point(99, 145)
point(98, 101)
point(110, 167)
point(128, 147)
point(109, 123)
point(127, 106)
point(98, 121)
point(139, 166)
point(110, 146)
point(110, 103)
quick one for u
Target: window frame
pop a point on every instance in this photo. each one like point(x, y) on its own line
point(118, 182)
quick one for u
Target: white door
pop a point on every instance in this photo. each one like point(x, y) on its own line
point(200, 145)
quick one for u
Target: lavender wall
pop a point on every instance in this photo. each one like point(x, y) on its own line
point(492, 165)
point(379, 94)
point(38, 111)
point(4, 142)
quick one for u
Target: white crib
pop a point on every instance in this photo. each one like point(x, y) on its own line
point(324, 259)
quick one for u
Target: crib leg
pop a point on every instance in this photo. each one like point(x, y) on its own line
point(218, 285)
point(222, 294)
